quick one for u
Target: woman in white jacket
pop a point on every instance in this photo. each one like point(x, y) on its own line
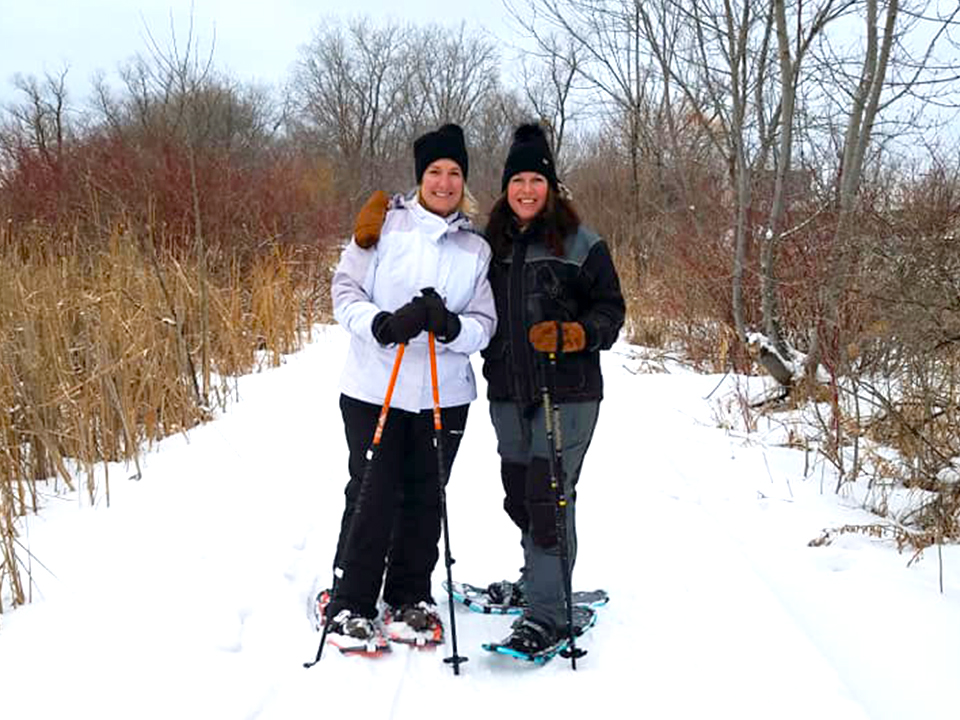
point(378, 296)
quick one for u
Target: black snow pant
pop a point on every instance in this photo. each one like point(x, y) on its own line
point(392, 522)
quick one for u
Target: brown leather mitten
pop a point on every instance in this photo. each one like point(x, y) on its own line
point(543, 336)
point(369, 221)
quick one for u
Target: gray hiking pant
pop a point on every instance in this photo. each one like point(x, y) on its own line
point(531, 503)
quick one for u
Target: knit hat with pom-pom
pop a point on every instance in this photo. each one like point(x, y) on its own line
point(530, 152)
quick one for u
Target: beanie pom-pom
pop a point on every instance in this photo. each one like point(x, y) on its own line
point(528, 132)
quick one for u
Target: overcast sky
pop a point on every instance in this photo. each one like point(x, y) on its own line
point(255, 39)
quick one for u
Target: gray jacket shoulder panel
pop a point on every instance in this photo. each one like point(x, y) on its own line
point(579, 245)
point(576, 247)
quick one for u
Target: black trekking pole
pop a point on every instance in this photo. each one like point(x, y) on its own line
point(456, 658)
point(551, 419)
point(364, 482)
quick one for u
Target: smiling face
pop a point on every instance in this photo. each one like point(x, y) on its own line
point(441, 187)
point(526, 195)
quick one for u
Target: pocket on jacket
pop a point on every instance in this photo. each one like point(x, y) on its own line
point(570, 376)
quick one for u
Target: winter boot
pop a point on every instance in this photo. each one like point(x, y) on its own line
point(349, 624)
point(353, 633)
point(584, 618)
point(506, 593)
point(531, 637)
point(414, 624)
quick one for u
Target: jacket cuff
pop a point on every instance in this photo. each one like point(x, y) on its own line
point(592, 335)
point(452, 330)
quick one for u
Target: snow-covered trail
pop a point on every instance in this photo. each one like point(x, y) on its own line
point(744, 515)
point(188, 597)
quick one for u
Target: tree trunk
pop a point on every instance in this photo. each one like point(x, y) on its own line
point(863, 113)
point(777, 362)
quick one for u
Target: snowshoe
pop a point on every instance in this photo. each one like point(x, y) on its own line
point(506, 598)
point(320, 608)
point(535, 642)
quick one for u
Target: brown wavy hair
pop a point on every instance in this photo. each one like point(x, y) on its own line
point(556, 221)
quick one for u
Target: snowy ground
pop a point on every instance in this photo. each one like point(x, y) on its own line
point(187, 598)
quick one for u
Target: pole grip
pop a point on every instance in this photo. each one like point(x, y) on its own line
point(432, 344)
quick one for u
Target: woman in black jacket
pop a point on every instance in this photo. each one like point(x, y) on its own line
point(557, 293)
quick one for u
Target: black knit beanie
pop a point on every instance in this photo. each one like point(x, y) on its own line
point(445, 142)
point(529, 152)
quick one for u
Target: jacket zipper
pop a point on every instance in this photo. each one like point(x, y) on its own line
point(515, 310)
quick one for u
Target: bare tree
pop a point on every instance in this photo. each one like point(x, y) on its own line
point(227, 117)
point(606, 37)
point(742, 68)
point(549, 83)
point(361, 93)
point(794, 39)
point(454, 72)
point(349, 92)
point(888, 71)
point(41, 121)
point(183, 74)
point(718, 57)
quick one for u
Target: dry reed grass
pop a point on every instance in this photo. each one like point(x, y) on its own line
point(99, 348)
point(667, 309)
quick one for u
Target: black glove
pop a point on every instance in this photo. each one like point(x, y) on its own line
point(440, 321)
point(399, 326)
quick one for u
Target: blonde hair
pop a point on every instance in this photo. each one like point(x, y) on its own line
point(468, 204)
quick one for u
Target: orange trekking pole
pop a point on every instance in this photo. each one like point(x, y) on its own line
point(456, 658)
point(371, 454)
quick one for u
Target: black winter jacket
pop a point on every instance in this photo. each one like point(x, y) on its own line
point(531, 285)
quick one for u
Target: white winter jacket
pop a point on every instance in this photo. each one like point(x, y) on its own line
point(416, 250)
